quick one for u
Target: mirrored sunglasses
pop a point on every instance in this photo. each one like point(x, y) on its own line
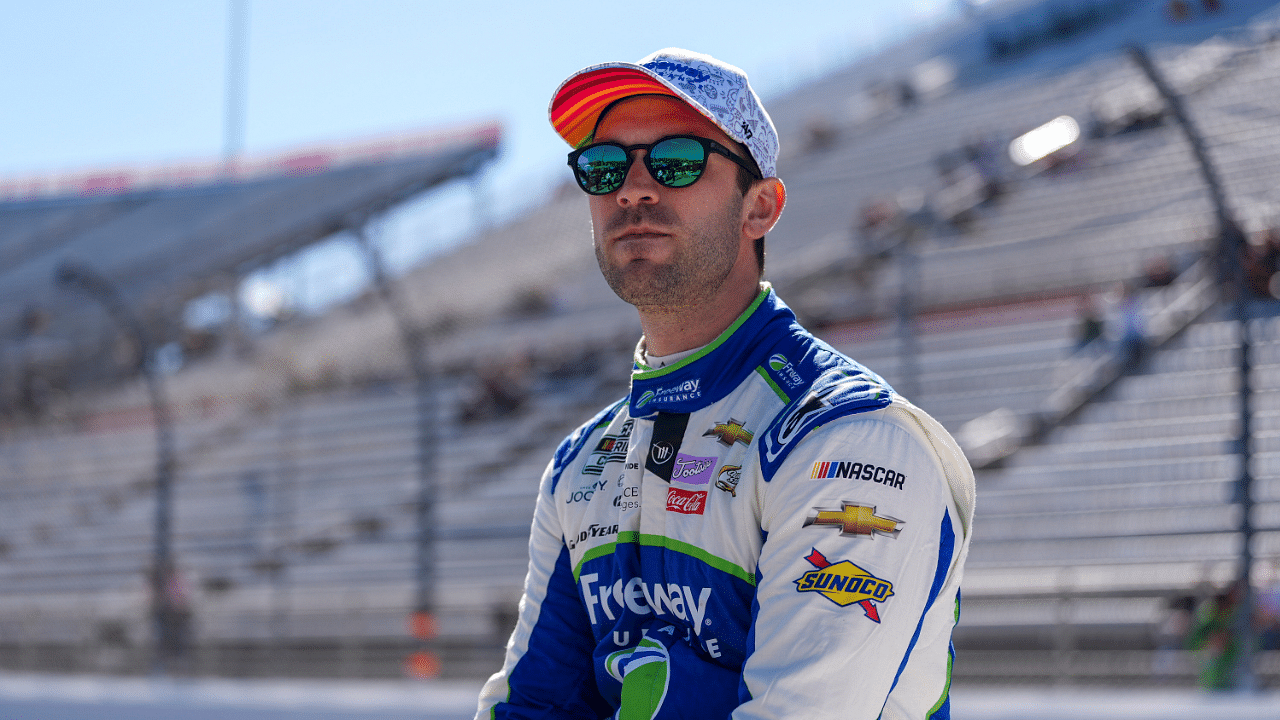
point(675, 161)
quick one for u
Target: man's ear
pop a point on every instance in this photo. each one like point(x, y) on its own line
point(763, 206)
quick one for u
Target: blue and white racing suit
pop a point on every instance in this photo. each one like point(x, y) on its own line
point(761, 530)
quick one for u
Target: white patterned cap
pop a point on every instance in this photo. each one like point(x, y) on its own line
point(715, 89)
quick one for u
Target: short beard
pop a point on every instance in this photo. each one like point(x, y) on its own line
point(697, 270)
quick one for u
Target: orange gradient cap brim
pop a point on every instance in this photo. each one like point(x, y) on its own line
point(577, 105)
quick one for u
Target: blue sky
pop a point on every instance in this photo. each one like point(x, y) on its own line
point(135, 82)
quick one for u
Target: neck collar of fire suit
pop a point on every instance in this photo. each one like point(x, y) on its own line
point(715, 370)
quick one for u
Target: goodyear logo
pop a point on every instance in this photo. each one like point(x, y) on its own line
point(845, 584)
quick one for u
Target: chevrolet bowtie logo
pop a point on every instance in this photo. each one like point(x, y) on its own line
point(854, 520)
point(730, 433)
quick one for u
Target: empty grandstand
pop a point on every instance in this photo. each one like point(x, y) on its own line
point(973, 278)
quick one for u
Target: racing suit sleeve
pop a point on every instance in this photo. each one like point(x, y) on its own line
point(858, 577)
point(548, 671)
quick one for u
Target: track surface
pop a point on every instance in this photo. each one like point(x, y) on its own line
point(44, 697)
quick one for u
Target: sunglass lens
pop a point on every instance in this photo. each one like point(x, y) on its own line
point(677, 162)
point(601, 169)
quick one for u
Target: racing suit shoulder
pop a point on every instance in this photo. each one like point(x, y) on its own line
point(572, 445)
point(867, 529)
point(547, 670)
point(834, 387)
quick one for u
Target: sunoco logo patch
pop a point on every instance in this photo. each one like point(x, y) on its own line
point(845, 584)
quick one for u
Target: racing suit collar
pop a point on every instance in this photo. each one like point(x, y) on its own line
point(712, 372)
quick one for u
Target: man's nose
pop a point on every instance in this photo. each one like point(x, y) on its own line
point(638, 187)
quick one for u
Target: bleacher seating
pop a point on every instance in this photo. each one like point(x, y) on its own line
point(295, 514)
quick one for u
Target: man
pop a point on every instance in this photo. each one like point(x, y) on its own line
point(762, 528)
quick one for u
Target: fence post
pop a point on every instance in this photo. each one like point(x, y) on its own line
point(1230, 254)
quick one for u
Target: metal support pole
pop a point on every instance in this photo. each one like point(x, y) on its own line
point(101, 290)
point(1244, 632)
point(908, 345)
point(1230, 253)
point(233, 119)
point(413, 338)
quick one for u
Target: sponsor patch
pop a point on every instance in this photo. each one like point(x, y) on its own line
point(668, 433)
point(730, 433)
point(783, 368)
point(608, 601)
point(687, 390)
point(836, 393)
point(661, 452)
point(791, 425)
point(858, 471)
point(693, 470)
point(592, 531)
point(688, 502)
point(628, 498)
point(845, 584)
point(611, 448)
point(855, 520)
point(728, 478)
point(584, 493)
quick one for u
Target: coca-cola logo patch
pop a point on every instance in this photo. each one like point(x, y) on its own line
point(688, 502)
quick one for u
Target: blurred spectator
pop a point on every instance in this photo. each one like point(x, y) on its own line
point(877, 213)
point(174, 621)
point(872, 227)
point(1132, 342)
point(820, 133)
point(1262, 259)
point(1268, 610)
point(906, 94)
point(1159, 271)
point(1212, 635)
point(499, 390)
point(1089, 324)
point(1172, 636)
point(987, 157)
point(35, 320)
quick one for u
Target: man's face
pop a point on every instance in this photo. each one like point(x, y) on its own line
point(660, 246)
